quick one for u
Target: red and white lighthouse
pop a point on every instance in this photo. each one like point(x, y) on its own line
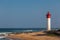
point(48, 16)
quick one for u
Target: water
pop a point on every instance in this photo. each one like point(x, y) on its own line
point(20, 29)
point(10, 39)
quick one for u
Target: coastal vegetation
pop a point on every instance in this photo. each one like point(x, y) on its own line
point(53, 33)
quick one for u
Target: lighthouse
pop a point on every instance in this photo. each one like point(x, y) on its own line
point(48, 16)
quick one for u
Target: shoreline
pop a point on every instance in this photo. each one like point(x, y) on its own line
point(33, 36)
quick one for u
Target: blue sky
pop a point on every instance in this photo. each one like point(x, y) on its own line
point(29, 13)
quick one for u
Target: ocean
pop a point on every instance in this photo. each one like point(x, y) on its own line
point(21, 29)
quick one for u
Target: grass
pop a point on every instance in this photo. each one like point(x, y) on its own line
point(51, 35)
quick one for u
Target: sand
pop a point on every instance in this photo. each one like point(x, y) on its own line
point(33, 36)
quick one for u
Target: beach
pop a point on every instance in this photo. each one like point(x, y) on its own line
point(33, 36)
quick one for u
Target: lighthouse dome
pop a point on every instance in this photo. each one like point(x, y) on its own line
point(48, 15)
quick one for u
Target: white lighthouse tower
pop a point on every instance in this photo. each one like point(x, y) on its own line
point(48, 16)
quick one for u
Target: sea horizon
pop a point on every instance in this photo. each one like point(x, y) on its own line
point(23, 29)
